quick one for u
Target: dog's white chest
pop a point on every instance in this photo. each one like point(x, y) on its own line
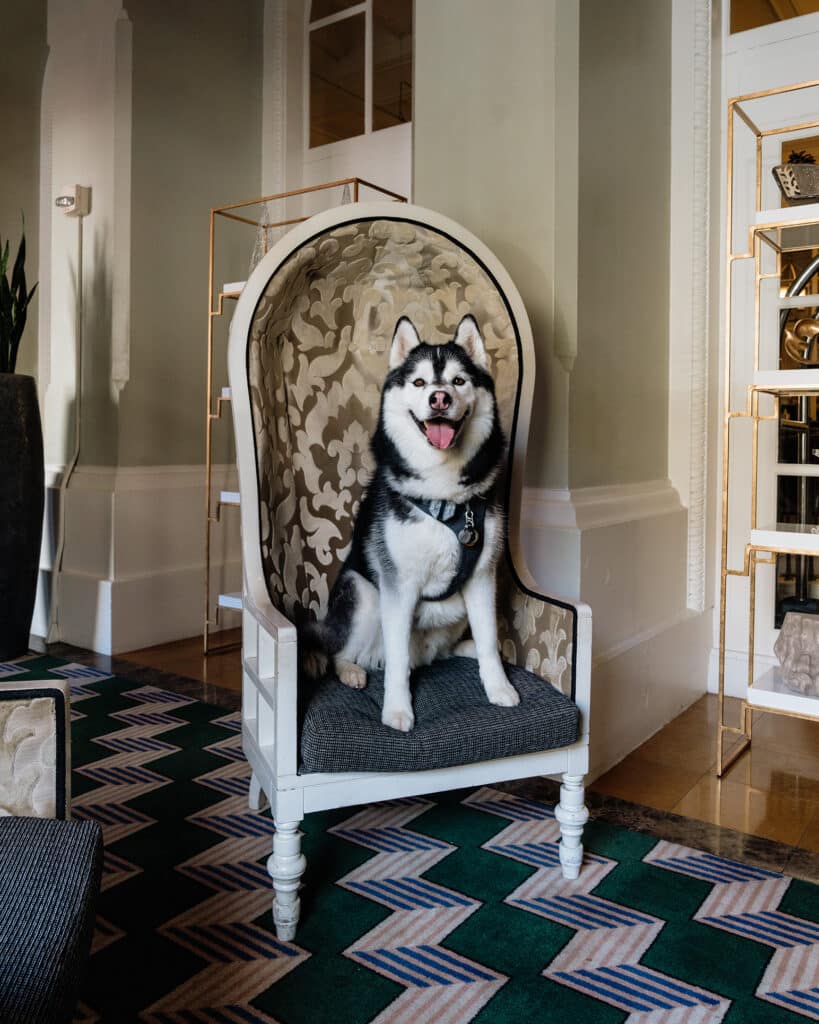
point(425, 552)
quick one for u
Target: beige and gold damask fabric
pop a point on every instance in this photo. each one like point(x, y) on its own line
point(318, 352)
point(28, 757)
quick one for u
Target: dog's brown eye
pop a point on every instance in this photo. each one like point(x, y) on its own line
point(457, 381)
point(419, 382)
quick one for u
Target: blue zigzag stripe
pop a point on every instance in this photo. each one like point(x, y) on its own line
point(7, 668)
point(390, 840)
point(237, 786)
point(715, 869)
point(122, 774)
point(227, 943)
point(769, 926)
point(586, 912)
point(635, 988)
point(247, 875)
point(135, 717)
point(808, 1000)
point(135, 743)
point(110, 814)
point(517, 808)
point(423, 966)
point(238, 824)
point(153, 695)
point(409, 893)
point(540, 854)
point(81, 672)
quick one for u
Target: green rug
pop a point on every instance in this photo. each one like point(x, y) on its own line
point(443, 910)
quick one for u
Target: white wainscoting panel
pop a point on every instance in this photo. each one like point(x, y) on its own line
point(134, 567)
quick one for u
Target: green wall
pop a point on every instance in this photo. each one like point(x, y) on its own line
point(487, 95)
point(197, 80)
point(618, 426)
point(24, 51)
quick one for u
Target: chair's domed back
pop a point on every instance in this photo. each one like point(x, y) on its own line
point(316, 358)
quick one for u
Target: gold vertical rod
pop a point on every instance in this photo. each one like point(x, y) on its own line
point(355, 190)
point(758, 171)
point(725, 438)
point(208, 432)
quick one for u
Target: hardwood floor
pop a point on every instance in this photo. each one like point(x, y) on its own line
point(772, 791)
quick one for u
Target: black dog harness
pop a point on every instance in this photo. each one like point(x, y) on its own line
point(466, 521)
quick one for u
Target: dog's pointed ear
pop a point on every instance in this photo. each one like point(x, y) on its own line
point(469, 337)
point(404, 341)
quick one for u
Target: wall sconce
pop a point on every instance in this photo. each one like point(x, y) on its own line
point(75, 200)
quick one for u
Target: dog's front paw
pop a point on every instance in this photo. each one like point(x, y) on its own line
point(351, 675)
point(315, 665)
point(503, 694)
point(398, 718)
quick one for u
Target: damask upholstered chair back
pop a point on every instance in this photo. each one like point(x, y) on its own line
point(317, 356)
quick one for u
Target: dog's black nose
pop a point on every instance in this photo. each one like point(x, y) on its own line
point(440, 400)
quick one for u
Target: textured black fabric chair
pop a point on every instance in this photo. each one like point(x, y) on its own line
point(49, 881)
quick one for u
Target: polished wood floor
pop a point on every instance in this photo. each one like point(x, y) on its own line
point(772, 791)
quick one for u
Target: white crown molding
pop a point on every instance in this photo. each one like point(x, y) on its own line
point(590, 508)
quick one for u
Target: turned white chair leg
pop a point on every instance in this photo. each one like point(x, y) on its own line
point(285, 867)
point(572, 815)
point(255, 797)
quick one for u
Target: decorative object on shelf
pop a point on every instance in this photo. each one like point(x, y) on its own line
point(801, 342)
point(797, 649)
point(21, 464)
point(264, 238)
point(798, 179)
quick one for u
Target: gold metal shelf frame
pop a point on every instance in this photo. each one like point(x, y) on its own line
point(215, 404)
point(773, 232)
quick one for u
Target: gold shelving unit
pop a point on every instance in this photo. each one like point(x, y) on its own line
point(243, 212)
point(771, 233)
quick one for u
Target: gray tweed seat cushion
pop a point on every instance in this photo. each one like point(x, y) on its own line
point(49, 881)
point(454, 722)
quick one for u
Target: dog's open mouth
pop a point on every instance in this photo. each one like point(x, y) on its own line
point(439, 431)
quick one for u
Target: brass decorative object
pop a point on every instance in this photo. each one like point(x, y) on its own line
point(265, 234)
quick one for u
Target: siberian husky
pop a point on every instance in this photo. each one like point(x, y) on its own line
point(428, 532)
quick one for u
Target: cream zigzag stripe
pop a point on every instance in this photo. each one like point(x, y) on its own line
point(406, 947)
point(745, 901)
point(602, 959)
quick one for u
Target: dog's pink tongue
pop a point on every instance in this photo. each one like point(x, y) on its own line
point(440, 434)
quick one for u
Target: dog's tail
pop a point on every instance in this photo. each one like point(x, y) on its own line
point(313, 658)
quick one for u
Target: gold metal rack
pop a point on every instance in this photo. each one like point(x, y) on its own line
point(790, 229)
point(216, 403)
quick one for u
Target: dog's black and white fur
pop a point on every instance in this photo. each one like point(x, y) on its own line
point(410, 586)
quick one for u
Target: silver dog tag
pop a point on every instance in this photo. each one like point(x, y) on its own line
point(469, 536)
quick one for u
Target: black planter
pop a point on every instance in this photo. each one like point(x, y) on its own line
point(21, 509)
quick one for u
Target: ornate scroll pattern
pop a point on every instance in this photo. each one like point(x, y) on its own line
point(535, 634)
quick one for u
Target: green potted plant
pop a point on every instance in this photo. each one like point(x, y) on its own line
point(798, 179)
point(21, 463)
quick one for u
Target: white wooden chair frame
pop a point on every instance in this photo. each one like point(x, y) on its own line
point(269, 662)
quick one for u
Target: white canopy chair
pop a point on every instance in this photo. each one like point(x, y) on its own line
point(307, 354)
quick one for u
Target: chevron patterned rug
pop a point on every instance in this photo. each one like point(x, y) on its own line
point(440, 910)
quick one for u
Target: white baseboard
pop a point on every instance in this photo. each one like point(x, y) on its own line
point(134, 562)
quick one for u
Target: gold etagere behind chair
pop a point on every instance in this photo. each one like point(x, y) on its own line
point(777, 232)
point(350, 191)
